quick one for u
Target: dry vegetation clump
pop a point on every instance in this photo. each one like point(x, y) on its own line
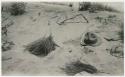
point(7, 44)
point(110, 19)
point(42, 47)
point(17, 8)
point(77, 67)
point(121, 33)
point(100, 7)
point(84, 6)
point(117, 51)
point(93, 7)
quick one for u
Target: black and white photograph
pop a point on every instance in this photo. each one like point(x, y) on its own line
point(62, 38)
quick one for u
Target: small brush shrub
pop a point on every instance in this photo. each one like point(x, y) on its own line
point(93, 7)
point(17, 8)
point(77, 67)
point(42, 47)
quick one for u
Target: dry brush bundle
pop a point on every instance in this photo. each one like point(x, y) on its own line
point(121, 33)
point(77, 67)
point(42, 47)
point(17, 8)
point(92, 7)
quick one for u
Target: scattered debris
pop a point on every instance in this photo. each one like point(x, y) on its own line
point(39, 13)
point(5, 59)
point(111, 19)
point(70, 5)
point(87, 50)
point(7, 46)
point(6, 23)
point(4, 31)
point(34, 19)
point(92, 10)
point(111, 39)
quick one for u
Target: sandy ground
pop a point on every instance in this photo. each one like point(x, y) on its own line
point(32, 26)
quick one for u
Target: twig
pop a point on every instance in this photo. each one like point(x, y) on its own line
point(111, 39)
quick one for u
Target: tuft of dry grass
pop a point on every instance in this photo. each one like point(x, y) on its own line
point(7, 45)
point(17, 8)
point(117, 51)
point(121, 33)
point(84, 6)
point(77, 67)
point(93, 7)
point(42, 47)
